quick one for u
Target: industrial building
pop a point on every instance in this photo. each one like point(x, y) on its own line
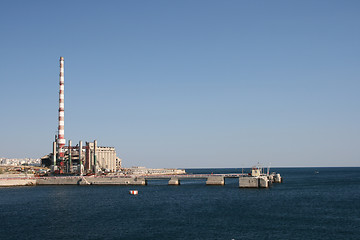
point(78, 159)
point(105, 158)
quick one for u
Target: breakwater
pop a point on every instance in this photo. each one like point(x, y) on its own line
point(245, 180)
point(10, 180)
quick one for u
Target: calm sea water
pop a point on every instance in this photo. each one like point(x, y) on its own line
point(305, 206)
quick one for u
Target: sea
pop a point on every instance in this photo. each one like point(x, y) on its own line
point(310, 203)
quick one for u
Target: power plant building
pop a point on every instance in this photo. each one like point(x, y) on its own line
point(72, 159)
point(101, 157)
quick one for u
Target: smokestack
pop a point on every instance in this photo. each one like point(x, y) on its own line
point(61, 139)
point(80, 158)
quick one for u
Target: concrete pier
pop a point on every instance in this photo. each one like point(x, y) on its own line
point(174, 181)
point(91, 180)
point(254, 182)
point(248, 182)
point(10, 180)
point(215, 180)
point(263, 182)
point(245, 180)
point(117, 181)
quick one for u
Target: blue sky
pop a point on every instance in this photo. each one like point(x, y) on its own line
point(185, 83)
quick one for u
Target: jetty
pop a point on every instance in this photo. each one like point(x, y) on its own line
point(255, 179)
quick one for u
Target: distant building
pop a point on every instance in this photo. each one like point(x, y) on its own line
point(93, 158)
point(20, 161)
point(105, 160)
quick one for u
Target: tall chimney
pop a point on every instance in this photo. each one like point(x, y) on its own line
point(61, 139)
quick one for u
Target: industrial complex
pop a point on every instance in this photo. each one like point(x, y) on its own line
point(78, 159)
point(91, 164)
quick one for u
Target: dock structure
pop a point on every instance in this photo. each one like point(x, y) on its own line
point(211, 179)
point(215, 180)
point(254, 182)
point(174, 181)
point(11, 180)
point(255, 179)
point(245, 181)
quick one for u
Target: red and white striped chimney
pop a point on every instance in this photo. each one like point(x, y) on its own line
point(61, 139)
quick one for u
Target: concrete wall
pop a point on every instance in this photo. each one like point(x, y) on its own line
point(17, 182)
point(248, 182)
point(117, 181)
point(91, 181)
point(20, 175)
point(215, 180)
point(263, 182)
point(57, 181)
point(174, 181)
point(9, 180)
point(254, 182)
point(23, 180)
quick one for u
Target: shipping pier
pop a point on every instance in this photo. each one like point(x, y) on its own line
point(255, 179)
point(245, 180)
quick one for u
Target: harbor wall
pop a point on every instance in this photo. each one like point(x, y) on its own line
point(91, 181)
point(9, 180)
point(6, 180)
point(57, 181)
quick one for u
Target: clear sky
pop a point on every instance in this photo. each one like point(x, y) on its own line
point(185, 83)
